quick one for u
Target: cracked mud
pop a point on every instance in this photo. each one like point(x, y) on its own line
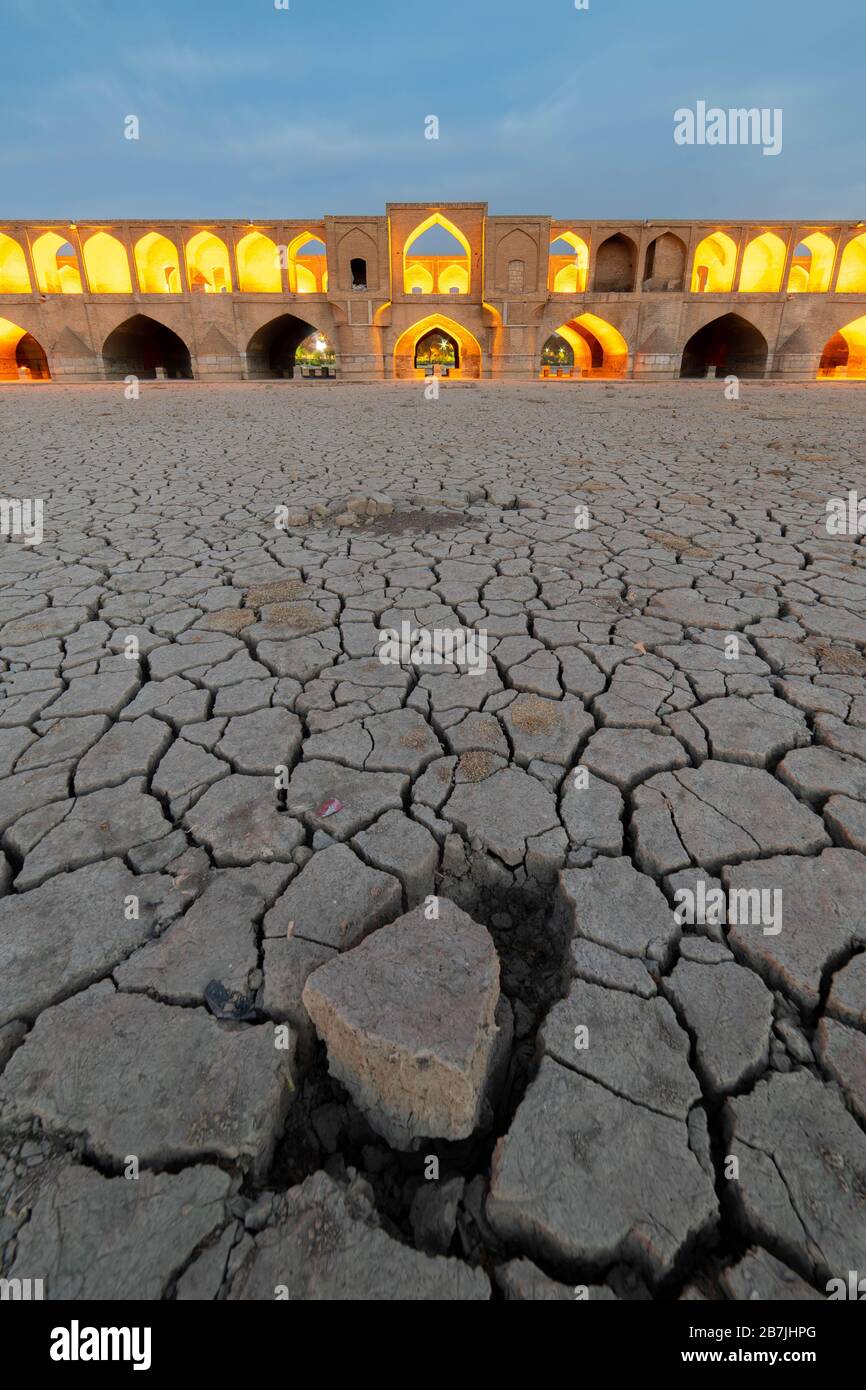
point(469, 1044)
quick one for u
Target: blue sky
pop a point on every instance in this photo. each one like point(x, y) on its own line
point(247, 111)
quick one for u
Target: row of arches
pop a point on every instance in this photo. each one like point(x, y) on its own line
point(259, 265)
point(142, 346)
point(714, 265)
point(727, 345)
point(587, 346)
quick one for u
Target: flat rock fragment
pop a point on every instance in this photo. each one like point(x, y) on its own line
point(802, 1174)
point(585, 1175)
point(98, 1238)
point(131, 1076)
point(336, 900)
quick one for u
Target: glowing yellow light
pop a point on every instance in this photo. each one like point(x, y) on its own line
point(404, 349)
point(852, 271)
point(56, 265)
point(763, 265)
point(106, 265)
point(13, 356)
point(157, 265)
point(14, 278)
point(613, 345)
point(811, 273)
point(258, 264)
point(567, 274)
point(714, 264)
point(454, 276)
point(844, 354)
point(436, 274)
point(307, 274)
point(207, 264)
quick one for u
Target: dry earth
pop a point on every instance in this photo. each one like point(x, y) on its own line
point(234, 1032)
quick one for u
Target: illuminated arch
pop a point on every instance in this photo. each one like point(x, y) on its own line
point(454, 277)
point(14, 277)
point(157, 264)
point(436, 347)
point(727, 344)
point(307, 274)
point(106, 263)
point(56, 265)
point(447, 272)
point(566, 280)
point(812, 265)
point(207, 264)
point(763, 265)
point(258, 264)
point(567, 271)
point(418, 278)
point(599, 349)
point(568, 349)
point(844, 354)
point(852, 271)
point(714, 264)
point(21, 357)
point(140, 346)
point(469, 349)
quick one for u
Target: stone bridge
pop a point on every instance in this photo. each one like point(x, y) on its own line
point(512, 298)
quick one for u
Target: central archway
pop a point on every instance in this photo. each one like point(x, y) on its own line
point(437, 349)
point(465, 346)
point(141, 346)
point(271, 351)
point(730, 344)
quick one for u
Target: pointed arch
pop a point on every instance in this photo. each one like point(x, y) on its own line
point(852, 271)
point(418, 279)
point(258, 262)
point(714, 264)
point(615, 265)
point(22, 358)
point(665, 263)
point(812, 265)
point(844, 355)
point(763, 265)
point(307, 274)
point(468, 347)
point(142, 346)
point(454, 270)
point(107, 265)
point(14, 276)
point(454, 277)
point(272, 349)
point(567, 270)
point(207, 264)
point(157, 264)
point(56, 265)
point(727, 344)
point(599, 349)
